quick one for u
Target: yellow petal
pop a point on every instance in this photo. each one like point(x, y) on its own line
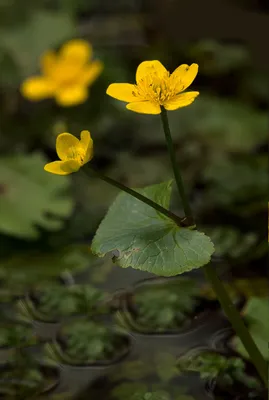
point(64, 143)
point(91, 72)
point(122, 91)
point(62, 167)
point(181, 100)
point(87, 144)
point(144, 107)
point(76, 50)
point(184, 75)
point(150, 67)
point(71, 95)
point(47, 62)
point(37, 88)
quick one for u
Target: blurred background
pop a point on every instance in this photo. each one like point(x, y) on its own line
point(47, 222)
point(221, 139)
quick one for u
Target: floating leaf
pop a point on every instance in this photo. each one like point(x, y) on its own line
point(30, 197)
point(147, 240)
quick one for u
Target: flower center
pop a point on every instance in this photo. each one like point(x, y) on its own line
point(156, 89)
point(77, 154)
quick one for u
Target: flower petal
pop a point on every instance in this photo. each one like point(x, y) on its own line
point(184, 75)
point(37, 88)
point(71, 95)
point(144, 107)
point(181, 100)
point(150, 67)
point(90, 73)
point(87, 144)
point(47, 62)
point(64, 142)
point(62, 167)
point(76, 50)
point(122, 91)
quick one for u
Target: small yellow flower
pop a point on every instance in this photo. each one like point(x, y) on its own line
point(156, 87)
point(65, 76)
point(72, 152)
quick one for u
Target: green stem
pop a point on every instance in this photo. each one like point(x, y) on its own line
point(211, 274)
point(177, 174)
point(179, 221)
point(237, 322)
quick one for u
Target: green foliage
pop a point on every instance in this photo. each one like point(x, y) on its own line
point(161, 364)
point(126, 390)
point(16, 335)
point(30, 197)
point(86, 342)
point(164, 307)
point(227, 125)
point(27, 383)
point(238, 185)
point(231, 242)
point(41, 31)
point(31, 267)
point(228, 370)
point(256, 314)
point(135, 370)
point(55, 301)
point(160, 395)
point(24, 378)
point(147, 240)
point(257, 287)
point(140, 391)
point(217, 58)
point(148, 376)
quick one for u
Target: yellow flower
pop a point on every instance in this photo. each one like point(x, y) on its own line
point(72, 152)
point(156, 87)
point(65, 76)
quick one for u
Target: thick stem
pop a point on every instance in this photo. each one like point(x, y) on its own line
point(177, 174)
point(237, 322)
point(139, 196)
point(211, 274)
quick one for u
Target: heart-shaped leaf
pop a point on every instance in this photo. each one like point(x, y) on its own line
point(146, 239)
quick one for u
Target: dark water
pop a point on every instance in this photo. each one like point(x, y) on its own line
point(149, 352)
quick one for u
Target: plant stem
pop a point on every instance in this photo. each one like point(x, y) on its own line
point(211, 274)
point(237, 322)
point(177, 174)
point(179, 221)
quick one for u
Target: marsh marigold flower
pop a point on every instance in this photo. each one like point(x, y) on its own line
point(156, 87)
point(65, 76)
point(72, 152)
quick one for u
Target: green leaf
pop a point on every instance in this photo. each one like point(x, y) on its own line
point(166, 366)
point(256, 314)
point(147, 240)
point(44, 30)
point(30, 197)
point(126, 390)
